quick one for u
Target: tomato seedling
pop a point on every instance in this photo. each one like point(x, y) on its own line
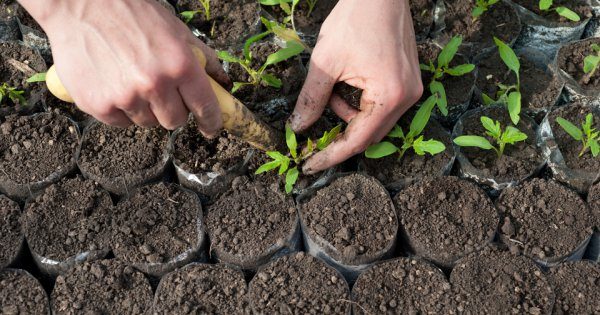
point(413, 139)
point(38, 77)
point(586, 134)
point(510, 135)
point(16, 96)
point(509, 95)
point(546, 6)
point(443, 67)
point(189, 15)
point(294, 157)
point(481, 6)
point(591, 63)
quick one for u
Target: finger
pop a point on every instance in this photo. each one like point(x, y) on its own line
point(113, 117)
point(341, 108)
point(213, 66)
point(169, 110)
point(200, 100)
point(313, 98)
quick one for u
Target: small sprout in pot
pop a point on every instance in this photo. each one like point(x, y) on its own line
point(38, 77)
point(189, 15)
point(546, 5)
point(586, 134)
point(510, 135)
point(15, 95)
point(591, 63)
point(442, 68)
point(481, 6)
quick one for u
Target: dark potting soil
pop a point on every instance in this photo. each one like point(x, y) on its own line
point(299, 284)
point(202, 289)
point(501, 20)
point(446, 218)
point(348, 93)
point(17, 64)
point(54, 104)
point(230, 23)
point(594, 202)
point(69, 218)
point(494, 282)
point(393, 169)
point(11, 236)
point(578, 6)
point(156, 224)
point(102, 287)
point(577, 287)
point(21, 293)
point(518, 161)
point(401, 285)
point(570, 59)
point(540, 89)
point(569, 147)
point(249, 222)
point(422, 16)
point(11, 8)
point(35, 147)
point(110, 152)
point(307, 24)
point(544, 220)
point(355, 215)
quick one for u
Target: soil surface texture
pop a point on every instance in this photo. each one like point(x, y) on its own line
point(17, 64)
point(250, 222)
point(11, 236)
point(306, 24)
point(578, 6)
point(544, 220)
point(493, 282)
point(69, 218)
point(102, 287)
point(594, 202)
point(352, 219)
point(577, 287)
point(569, 147)
point(202, 289)
point(402, 285)
point(20, 293)
point(444, 219)
point(54, 104)
point(570, 59)
point(299, 284)
point(422, 16)
point(348, 93)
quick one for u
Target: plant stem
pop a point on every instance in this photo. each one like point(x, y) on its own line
point(584, 149)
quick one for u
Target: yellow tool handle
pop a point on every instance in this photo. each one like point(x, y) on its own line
point(238, 120)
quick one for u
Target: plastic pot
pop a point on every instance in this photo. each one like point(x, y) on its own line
point(574, 89)
point(36, 40)
point(11, 233)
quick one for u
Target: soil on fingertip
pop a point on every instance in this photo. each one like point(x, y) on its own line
point(569, 147)
point(299, 284)
point(578, 6)
point(11, 236)
point(250, 222)
point(21, 293)
point(17, 64)
point(577, 287)
point(571, 60)
point(422, 16)
point(394, 286)
point(444, 219)
point(202, 289)
point(102, 287)
point(69, 218)
point(544, 220)
point(352, 219)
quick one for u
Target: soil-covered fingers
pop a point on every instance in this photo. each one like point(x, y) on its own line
point(200, 100)
point(213, 66)
point(313, 98)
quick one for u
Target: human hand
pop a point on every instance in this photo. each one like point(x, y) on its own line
point(127, 61)
point(370, 45)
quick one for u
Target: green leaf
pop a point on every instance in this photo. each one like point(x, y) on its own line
point(492, 127)
point(421, 118)
point(437, 88)
point(545, 4)
point(514, 107)
point(252, 40)
point(449, 51)
point(290, 179)
point(487, 100)
point(460, 70)
point(508, 56)
point(328, 137)
point(380, 150)
point(238, 85)
point(290, 140)
point(596, 48)
point(513, 135)
point(424, 67)
point(568, 14)
point(477, 12)
point(268, 167)
point(571, 129)
point(188, 15)
point(276, 155)
point(285, 164)
point(594, 147)
point(396, 133)
point(293, 49)
point(38, 77)
point(270, 2)
point(271, 80)
point(590, 63)
point(473, 141)
point(432, 147)
point(589, 122)
point(226, 56)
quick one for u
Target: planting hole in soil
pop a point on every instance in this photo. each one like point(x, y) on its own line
point(11, 237)
point(546, 221)
point(577, 287)
point(579, 62)
point(202, 289)
point(445, 219)
point(68, 223)
point(121, 159)
point(102, 287)
point(53, 104)
point(158, 228)
point(399, 285)
point(299, 284)
point(252, 223)
point(21, 293)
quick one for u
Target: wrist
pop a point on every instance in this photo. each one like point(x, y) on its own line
point(42, 11)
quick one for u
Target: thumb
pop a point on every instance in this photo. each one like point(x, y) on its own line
point(213, 67)
point(313, 98)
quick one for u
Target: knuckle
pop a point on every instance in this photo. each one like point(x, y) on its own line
point(149, 83)
point(174, 122)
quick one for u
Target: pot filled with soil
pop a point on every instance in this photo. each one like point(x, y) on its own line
point(570, 161)
point(121, 159)
point(102, 287)
point(202, 289)
point(545, 221)
point(35, 151)
point(17, 63)
point(581, 80)
point(500, 20)
point(495, 282)
point(444, 219)
point(350, 223)
point(577, 287)
point(32, 33)
point(497, 168)
point(53, 104)
point(68, 223)
point(158, 228)
point(593, 251)
point(21, 293)
point(299, 284)
point(399, 285)
point(12, 240)
point(422, 12)
point(251, 224)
